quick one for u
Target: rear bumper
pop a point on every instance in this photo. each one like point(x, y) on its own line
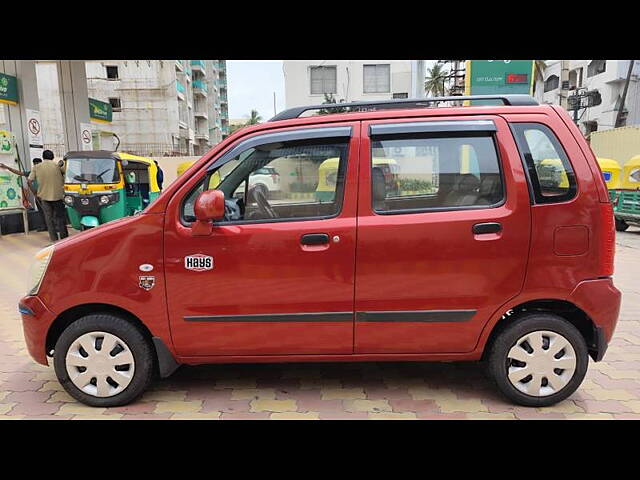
point(36, 320)
point(600, 300)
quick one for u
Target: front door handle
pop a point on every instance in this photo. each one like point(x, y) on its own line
point(489, 227)
point(314, 239)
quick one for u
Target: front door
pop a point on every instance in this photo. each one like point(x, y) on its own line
point(443, 232)
point(276, 276)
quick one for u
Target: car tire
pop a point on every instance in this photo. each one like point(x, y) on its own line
point(505, 370)
point(99, 378)
point(621, 225)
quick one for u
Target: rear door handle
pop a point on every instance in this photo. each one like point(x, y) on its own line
point(489, 227)
point(314, 239)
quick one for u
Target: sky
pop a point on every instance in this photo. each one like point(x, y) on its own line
point(251, 84)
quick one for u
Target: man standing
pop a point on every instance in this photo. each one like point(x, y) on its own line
point(50, 178)
point(33, 185)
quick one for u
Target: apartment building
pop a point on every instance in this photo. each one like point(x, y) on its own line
point(608, 78)
point(156, 107)
point(307, 82)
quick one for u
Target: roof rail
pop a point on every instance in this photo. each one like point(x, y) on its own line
point(295, 112)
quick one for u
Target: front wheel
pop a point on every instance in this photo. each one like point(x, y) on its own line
point(103, 361)
point(621, 225)
point(538, 360)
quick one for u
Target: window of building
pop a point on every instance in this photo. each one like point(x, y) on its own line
point(300, 179)
point(112, 72)
point(400, 95)
point(551, 83)
point(323, 80)
point(377, 78)
point(115, 104)
point(596, 67)
point(549, 168)
point(435, 171)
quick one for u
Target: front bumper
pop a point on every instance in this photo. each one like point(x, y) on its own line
point(600, 300)
point(36, 320)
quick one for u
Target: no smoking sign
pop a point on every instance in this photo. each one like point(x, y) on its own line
point(34, 126)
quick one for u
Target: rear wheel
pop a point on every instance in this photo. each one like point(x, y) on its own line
point(538, 360)
point(103, 361)
point(621, 225)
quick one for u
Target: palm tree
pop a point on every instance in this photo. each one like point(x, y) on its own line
point(254, 119)
point(434, 82)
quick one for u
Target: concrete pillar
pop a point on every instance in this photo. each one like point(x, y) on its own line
point(15, 116)
point(74, 99)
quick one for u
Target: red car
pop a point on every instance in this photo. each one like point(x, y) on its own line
point(481, 253)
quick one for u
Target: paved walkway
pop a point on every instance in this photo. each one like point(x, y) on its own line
point(319, 391)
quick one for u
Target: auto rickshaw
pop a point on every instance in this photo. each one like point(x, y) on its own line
point(626, 207)
point(328, 175)
point(101, 186)
point(214, 181)
point(611, 171)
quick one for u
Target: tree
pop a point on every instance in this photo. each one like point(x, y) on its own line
point(254, 119)
point(434, 82)
point(328, 98)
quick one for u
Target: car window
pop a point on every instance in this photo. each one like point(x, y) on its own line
point(550, 171)
point(413, 172)
point(279, 181)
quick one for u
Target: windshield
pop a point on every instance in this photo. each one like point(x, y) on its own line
point(91, 170)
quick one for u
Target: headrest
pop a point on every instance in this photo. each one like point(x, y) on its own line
point(468, 183)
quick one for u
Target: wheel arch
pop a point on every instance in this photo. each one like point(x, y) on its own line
point(563, 308)
point(72, 314)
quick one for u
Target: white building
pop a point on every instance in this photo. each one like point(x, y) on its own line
point(307, 82)
point(160, 107)
point(607, 77)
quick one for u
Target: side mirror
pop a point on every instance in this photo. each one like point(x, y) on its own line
point(208, 206)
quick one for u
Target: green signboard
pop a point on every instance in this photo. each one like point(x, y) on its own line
point(490, 77)
point(100, 111)
point(8, 89)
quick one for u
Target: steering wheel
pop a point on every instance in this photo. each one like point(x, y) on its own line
point(257, 194)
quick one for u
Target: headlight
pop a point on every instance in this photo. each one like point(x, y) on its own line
point(38, 269)
point(68, 199)
point(104, 199)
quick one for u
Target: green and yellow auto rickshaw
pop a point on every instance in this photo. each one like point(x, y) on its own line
point(626, 207)
point(101, 186)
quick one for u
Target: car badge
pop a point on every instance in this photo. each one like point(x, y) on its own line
point(145, 267)
point(84, 201)
point(198, 262)
point(146, 282)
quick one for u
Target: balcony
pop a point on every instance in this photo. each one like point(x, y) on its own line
point(199, 88)
point(198, 66)
point(201, 114)
point(202, 135)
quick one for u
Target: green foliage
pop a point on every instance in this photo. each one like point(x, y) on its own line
point(300, 187)
point(434, 83)
point(328, 98)
point(414, 185)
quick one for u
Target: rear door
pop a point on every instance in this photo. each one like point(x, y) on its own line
point(443, 241)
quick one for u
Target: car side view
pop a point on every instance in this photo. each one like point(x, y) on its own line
point(400, 232)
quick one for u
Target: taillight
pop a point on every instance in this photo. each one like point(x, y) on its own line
point(275, 177)
point(607, 239)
